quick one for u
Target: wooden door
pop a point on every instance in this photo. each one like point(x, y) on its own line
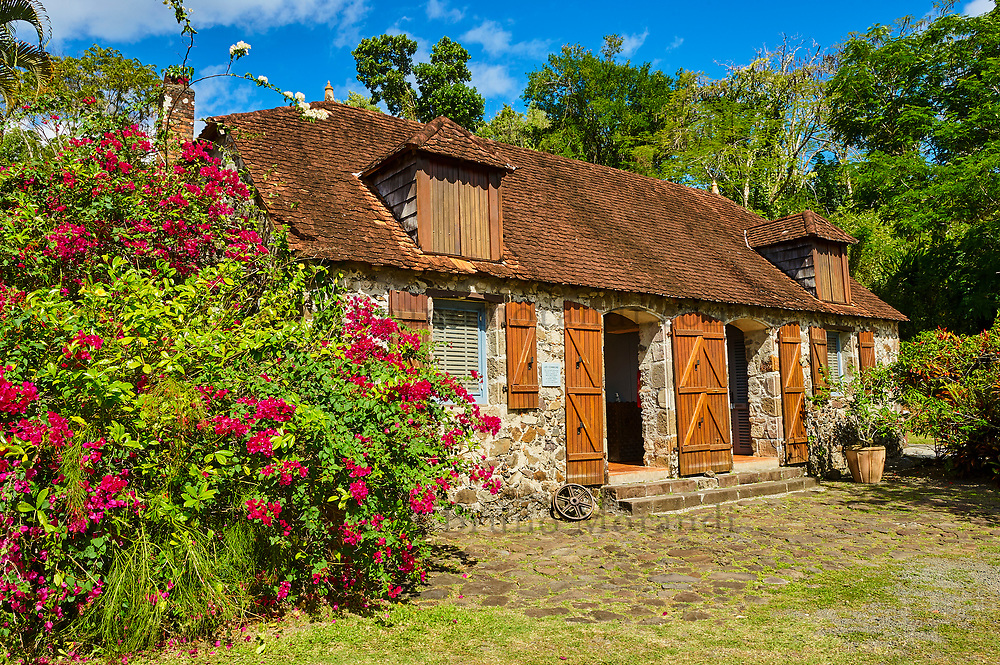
point(793, 394)
point(702, 395)
point(584, 395)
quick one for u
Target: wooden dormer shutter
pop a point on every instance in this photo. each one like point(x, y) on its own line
point(866, 349)
point(833, 282)
point(522, 356)
point(459, 211)
point(410, 309)
point(818, 360)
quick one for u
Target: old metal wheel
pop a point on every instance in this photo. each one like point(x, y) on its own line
point(573, 502)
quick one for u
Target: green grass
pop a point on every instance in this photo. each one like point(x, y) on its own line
point(795, 623)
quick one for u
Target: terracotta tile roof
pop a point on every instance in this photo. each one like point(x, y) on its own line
point(443, 136)
point(565, 221)
point(800, 225)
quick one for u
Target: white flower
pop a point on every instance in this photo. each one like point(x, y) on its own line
point(300, 97)
point(316, 114)
point(262, 80)
point(238, 50)
point(304, 106)
point(289, 94)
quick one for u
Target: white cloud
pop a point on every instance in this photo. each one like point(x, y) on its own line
point(979, 7)
point(496, 41)
point(438, 10)
point(631, 43)
point(492, 80)
point(675, 44)
point(131, 20)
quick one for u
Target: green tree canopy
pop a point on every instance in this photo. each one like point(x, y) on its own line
point(602, 110)
point(525, 130)
point(757, 134)
point(385, 66)
point(921, 102)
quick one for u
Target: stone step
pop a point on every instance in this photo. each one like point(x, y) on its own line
point(664, 503)
point(618, 492)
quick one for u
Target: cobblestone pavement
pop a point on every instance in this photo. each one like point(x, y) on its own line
point(715, 562)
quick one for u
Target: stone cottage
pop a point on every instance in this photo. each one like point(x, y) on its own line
point(617, 322)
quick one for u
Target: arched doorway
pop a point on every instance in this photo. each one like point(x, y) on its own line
point(739, 393)
point(621, 388)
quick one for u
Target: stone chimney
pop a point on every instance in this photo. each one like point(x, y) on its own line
point(176, 112)
point(328, 93)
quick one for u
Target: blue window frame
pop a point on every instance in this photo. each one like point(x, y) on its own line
point(458, 330)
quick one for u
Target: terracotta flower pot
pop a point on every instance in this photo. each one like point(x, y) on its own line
point(866, 464)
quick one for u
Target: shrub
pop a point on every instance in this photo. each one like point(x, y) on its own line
point(180, 445)
point(951, 384)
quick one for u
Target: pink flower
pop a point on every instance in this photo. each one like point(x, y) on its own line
point(359, 490)
point(261, 443)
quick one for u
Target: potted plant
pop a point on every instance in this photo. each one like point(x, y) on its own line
point(875, 418)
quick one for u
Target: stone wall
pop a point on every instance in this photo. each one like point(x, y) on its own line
point(529, 452)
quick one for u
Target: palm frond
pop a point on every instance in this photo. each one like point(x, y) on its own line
point(29, 11)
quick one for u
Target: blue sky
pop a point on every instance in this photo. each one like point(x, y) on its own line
point(301, 44)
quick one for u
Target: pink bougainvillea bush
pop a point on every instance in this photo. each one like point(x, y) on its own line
point(179, 445)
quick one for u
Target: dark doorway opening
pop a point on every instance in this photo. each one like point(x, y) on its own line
point(621, 384)
point(739, 398)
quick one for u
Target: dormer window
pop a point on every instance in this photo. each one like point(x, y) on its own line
point(832, 283)
point(462, 212)
point(810, 250)
point(444, 186)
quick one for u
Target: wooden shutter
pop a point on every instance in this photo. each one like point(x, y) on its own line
point(866, 349)
point(584, 395)
point(459, 210)
point(793, 394)
point(409, 309)
point(739, 391)
point(818, 360)
point(703, 418)
point(522, 366)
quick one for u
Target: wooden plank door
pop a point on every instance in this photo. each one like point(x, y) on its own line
point(584, 395)
point(793, 394)
point(703, 419)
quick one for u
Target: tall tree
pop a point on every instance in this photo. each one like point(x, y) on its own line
point(922, 102)
point(444, 86)
point(385, 64)
point(756, 134)
point(602, 110)
point(16, 55)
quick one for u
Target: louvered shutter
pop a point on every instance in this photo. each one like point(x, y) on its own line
point(522, 366)
point(793, 394)
point(818, 360)
point(834, 366)
point(410, 309)
point(866, 349)
point(458, 344)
